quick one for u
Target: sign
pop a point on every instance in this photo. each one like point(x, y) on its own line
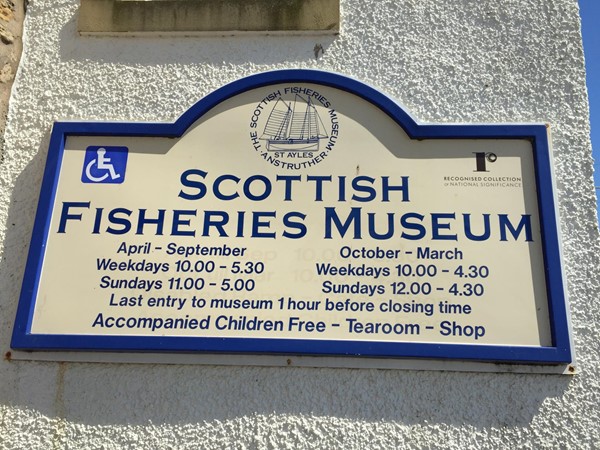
point(297, 212)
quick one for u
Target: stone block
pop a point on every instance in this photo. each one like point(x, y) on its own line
point(209, 16)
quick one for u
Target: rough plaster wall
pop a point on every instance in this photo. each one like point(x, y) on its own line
point(451, 61)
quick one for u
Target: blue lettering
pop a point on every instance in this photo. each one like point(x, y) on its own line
point(265, 194)
point(369, 190)
point(486, 225)
point(288, 184)
point(318, 179)
point(187, 182)
point(437, 226)
point(390, 227)
point(288, 223)
point(64, 215)
point(177, 221)
point(159, 221)
point(217, 185)
point(114, 219)
point(524, 224)
point(257, 224)
point(387, 188)
point(419, 228)
point(332, 217)
point(215, 219)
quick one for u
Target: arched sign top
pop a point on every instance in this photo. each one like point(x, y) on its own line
point(322, 78)
point(298, 212)
point(338, 81)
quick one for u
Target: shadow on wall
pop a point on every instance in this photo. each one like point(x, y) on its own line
point(19, 226)
point(129, 394)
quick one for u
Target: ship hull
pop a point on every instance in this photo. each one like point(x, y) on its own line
point(292, 145)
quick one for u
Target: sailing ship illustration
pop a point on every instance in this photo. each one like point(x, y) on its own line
point(293, 126)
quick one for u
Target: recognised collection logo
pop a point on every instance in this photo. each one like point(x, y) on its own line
point(294, 128)
point(478, 179)
point(104, 164)
point(481, 159)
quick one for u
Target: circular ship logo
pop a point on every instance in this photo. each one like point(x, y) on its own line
point(294, 128)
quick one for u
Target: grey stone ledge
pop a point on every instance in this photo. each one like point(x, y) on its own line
point(189, 17)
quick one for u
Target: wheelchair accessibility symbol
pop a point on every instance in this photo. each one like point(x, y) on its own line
point(104, 164)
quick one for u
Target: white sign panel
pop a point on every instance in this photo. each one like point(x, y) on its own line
point(297, 212)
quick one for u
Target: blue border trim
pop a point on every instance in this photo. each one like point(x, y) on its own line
point(558, 353)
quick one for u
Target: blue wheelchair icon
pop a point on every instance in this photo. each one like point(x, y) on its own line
point(104, 164)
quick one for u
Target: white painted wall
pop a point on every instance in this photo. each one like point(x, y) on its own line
point(450, 61)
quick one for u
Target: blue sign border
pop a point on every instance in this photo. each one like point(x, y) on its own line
point(558, 353)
